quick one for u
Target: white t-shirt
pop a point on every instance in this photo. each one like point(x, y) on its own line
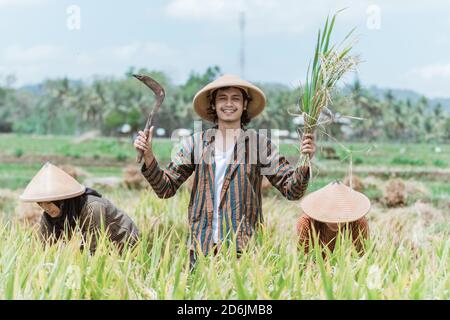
point(221, 159)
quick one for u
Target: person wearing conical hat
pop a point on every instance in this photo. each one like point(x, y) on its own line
point(334, 208)
point(67, 204)
point(229, 162)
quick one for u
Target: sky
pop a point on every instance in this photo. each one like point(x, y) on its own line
point(403, 44)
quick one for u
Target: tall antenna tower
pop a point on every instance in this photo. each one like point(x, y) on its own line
point(242, 51)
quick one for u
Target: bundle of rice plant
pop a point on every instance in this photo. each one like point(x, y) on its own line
point(329, 65)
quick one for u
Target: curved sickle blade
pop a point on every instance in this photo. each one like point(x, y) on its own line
point(160, 95)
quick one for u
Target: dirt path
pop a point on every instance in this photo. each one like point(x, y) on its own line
point(383, 172)
point(57, 159)
point(389, 172)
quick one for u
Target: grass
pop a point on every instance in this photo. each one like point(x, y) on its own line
point(16, 175)
point(396, 266)
point(102, 147)
point(407, 256)
point(407, 161)
point(372, 154)
point(440, 163)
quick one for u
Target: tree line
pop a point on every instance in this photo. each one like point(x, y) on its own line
point(67, 107)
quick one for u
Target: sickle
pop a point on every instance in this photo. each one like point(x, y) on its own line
point(160, 94)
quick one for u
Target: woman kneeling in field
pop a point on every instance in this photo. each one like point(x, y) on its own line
point(68, 205)
point(329, 210)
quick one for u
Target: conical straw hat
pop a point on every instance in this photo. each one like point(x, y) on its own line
point(51, 184)
point(335, 203)
point(202, 98)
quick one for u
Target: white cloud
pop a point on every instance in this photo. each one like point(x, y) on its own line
point(433, 80)
point(125, 52)
point(32, 64)
point(429, 72)
point(35, 54)
point(398, 7)
point(291, 16)
point(447, 22)
point(269, 16)
point(130, 51)
point(20, 3)
point(200, 9)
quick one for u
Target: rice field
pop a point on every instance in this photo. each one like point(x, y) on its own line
point(407, 255)
point(407, 258)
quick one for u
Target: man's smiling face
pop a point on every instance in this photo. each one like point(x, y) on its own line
point(229, 104)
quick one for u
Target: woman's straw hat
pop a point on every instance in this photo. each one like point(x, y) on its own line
point(51, 184)
point(335, 203)
point(202, 98)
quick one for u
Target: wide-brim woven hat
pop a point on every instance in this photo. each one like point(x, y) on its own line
point(51, 184)
point(202, 98)
point(335, 203)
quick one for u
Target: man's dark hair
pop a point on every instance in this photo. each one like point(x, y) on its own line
point(245, 118)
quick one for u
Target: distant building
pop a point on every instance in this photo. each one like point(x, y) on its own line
point(161, 132)
point(343, 124)
point(125, 128)
point(182, 132)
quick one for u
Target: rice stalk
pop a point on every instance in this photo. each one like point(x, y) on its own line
point(330, 63)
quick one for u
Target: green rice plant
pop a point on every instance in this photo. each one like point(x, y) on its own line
point(440, 163)
point(330, 63)
point(358, 160)
point(121, 156)
point(76, 155)
point(395, 265)
point(407, 161)
point(18, 152)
